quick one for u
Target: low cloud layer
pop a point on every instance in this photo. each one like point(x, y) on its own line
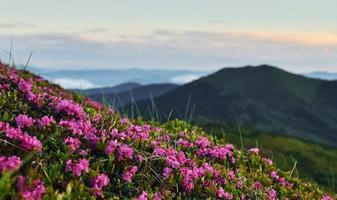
point(184, 78)
point(74, 83)
point(195, 50)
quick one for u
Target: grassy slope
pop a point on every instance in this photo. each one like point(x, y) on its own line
point(313, 161)
point(239, 172)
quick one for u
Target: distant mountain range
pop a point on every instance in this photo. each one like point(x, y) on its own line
point(322, 75)
point(86, 79)
point(123, 94)
point(89, 78)
point(263, 97)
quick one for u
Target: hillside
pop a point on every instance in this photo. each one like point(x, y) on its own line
point(263, 97)
point(58, 145)
point(109, 90)
point(128, 95)
point(313, 161)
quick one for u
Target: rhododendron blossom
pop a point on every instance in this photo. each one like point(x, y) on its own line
point(254, 150)
point(128, 174)
point(23, 121)
point(112, 146)
point(46, 121)
point(73, 143)
point(124, 152)
point(77, 168)
point(30, 192)
point(143, 196)
point(99, 183)
point(9, 163)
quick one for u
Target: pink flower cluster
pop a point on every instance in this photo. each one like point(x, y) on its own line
point(81, 127)
point(32, 192)
point(254, 150)
point(73, 143)
point(23, 121)
point(25, 86)
point(280, 180)
point(202, 142)
point(268, 161)
point(223, 195)
point(112, 146)
point(70, 108)
point(128, 174)
point(77, 168)
point(46, 121)
point(99, 183)
point(217, 152)
point(9, 163)
point(26, 141)
point(143, 196)
point(124, 152)
point(138, 132)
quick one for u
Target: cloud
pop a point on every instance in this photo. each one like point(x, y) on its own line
point(75, 83)
point(195, 50)
point(96, 30)
point(16, 25)
point(185, 78)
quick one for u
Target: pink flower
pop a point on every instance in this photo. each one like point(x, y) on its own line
point(167, 171)
point(220, 193)
point(23, 121)
point(187, 184)
point(268, 161)
point(239, 184)
point(203, 142)
point(9, 163)
point(46, 121)
point(258, 185)
point(125, 121)
point(73, 143)
point(124, 152)
point(254, 150)
point(271, 194)
point(25, 86)
point(26, 141)
point(184, 143)
point(33, 192)
point(326, 197)
point(157, 196)
point(70, 108)
point(274, 175)
point(110, 149)
point(99, 183)
point(231, 174)
point(30, 142)
point(78, 168)
point(143, 196)
point(127, 175)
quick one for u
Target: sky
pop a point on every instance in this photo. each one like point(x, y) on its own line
point(201, 35)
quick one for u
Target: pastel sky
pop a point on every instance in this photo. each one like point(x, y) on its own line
point(296, 35)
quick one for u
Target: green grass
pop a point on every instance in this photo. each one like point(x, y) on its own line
point(314, 161)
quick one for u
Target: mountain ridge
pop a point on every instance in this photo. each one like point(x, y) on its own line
point(263, 97)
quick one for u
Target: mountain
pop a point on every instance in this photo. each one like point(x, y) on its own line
point(109, 90)
point(262, 97)
point(126, 93)
point(322, 75)
point(92, 78)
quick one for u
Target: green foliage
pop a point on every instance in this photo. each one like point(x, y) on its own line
point(314, 161)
